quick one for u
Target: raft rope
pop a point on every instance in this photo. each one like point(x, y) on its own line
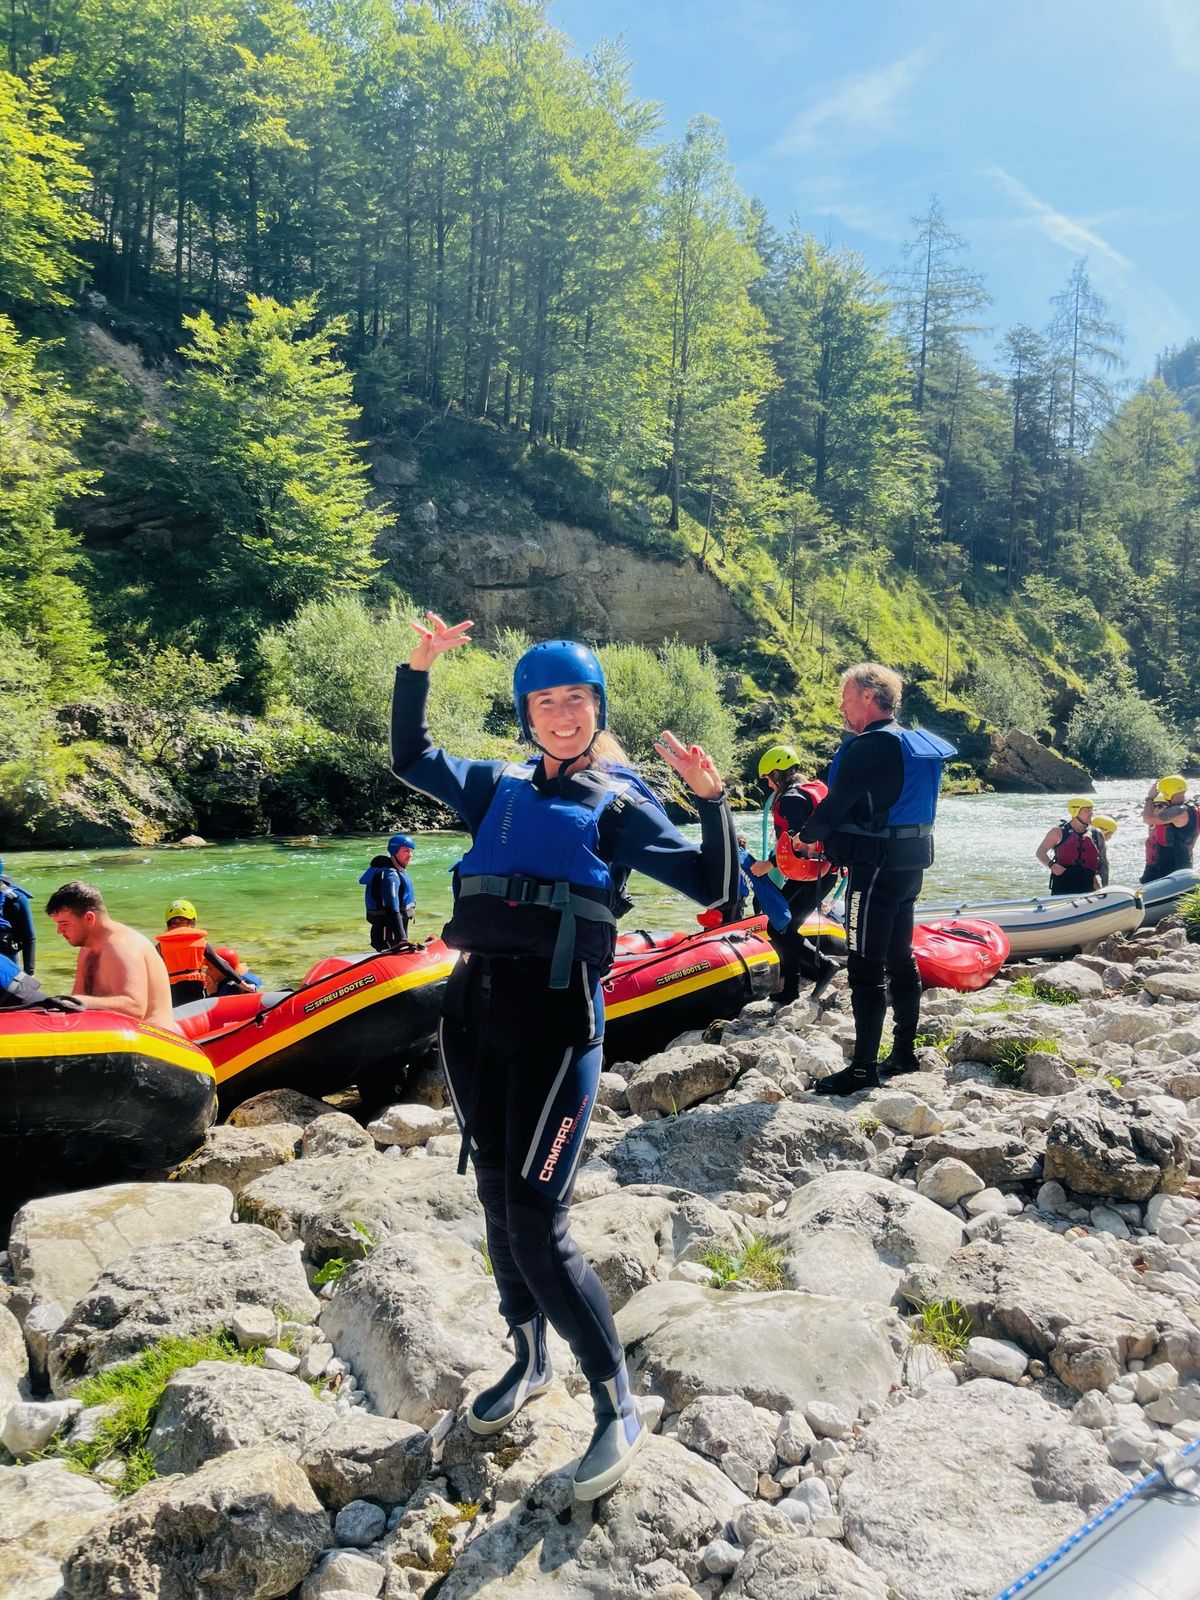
point(1173, 1474)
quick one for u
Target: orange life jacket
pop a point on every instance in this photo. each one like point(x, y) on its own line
point(182, 950)
point(801, 862)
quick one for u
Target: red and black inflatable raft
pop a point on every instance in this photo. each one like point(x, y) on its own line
point(90, 1096)
point(356, 1020)
point(660, 987)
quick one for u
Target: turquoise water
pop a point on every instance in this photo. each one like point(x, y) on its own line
point(283, 904)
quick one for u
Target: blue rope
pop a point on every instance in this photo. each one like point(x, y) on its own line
point(1143, 1486)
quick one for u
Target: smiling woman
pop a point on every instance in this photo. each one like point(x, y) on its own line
point(536, 901)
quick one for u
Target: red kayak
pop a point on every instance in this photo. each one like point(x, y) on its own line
point(661, 987)
point(957, 953)
point(355, 1019)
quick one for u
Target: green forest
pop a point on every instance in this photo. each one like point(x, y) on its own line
point(243, 244)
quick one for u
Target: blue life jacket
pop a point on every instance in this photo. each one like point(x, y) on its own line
point(375, 880)
point(226, 987)
point(14, 904)
point(9, 972)
point(535, 858)
point(911, 815)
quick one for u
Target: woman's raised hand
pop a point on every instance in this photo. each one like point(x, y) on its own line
point(692, 765)
point(436, 640)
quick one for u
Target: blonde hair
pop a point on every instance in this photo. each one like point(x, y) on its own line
point(886, 686)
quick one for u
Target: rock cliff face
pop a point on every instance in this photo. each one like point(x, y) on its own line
point(556, 579)
point(1019, 762)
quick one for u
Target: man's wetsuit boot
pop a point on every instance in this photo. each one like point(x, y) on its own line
point(904, 991)
point(858, 1075)
point(618, 1435)
point(529, 1374)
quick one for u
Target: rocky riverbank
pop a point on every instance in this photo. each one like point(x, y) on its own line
point(892, 1348)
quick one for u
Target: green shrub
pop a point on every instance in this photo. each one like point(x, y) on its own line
point(1009, 695)
point(943, 1324)
point(759, 1266)
point(676, 687)
point(1117, 733)
point(1189, 910)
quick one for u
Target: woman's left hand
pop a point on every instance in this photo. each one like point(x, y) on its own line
point(692, 765)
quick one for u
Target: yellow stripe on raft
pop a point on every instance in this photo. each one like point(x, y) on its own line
point(334, 1012)
point(704, 980)
point(159, 1046)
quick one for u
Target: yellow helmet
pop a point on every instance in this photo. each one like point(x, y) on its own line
point(779, 758)
point(1105, 825)
point(180, 908)
point(1079, 803)
point(1172, 787)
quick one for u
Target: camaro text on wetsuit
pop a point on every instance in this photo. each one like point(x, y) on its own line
point(561, 1139)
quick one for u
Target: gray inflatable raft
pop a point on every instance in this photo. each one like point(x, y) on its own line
point(1144, 1546)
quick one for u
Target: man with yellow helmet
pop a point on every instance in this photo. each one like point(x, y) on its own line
point(1071, 852)
point(1172, 823)
point(801, 873)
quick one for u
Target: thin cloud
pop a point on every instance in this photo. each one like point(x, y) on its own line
point(1069, 232)
point(1180, 21)
point(867, 103)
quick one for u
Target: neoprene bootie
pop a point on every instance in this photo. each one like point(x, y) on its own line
point(896, 1064)
point(529, 1374)
point(619, 1434)
point(858, 1075)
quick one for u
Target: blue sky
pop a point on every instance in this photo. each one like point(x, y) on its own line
point(1049, 131)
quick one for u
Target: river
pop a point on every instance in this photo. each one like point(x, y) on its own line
point(283, 904)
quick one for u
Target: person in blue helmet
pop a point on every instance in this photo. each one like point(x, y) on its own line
point(388, 893)
point(535, 899)
point(18, 935)
point(877, 820)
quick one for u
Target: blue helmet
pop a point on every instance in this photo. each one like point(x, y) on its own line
point(549, 665)
point(401, 841)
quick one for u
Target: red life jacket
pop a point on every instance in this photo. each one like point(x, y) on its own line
point(1077, 849)
point(800, 862)
point(1169, 847)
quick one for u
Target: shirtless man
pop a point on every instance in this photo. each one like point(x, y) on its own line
point(117, 969)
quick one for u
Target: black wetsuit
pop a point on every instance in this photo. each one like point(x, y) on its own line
point(884, 882)
point(523, 1059)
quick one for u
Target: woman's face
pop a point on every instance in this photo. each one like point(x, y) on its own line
point(563, 719)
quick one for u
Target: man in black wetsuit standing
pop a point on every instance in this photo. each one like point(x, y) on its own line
point(877, 820)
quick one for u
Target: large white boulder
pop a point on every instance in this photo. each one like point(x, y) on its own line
point(952, 1496)
point(781, 1350)
point(851, 1234)
point(59, 1246)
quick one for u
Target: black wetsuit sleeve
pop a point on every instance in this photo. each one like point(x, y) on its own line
point(869, 779)
point(645, 840)
point(465, 786)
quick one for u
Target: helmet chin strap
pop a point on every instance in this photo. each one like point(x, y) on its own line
point(566, 761)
